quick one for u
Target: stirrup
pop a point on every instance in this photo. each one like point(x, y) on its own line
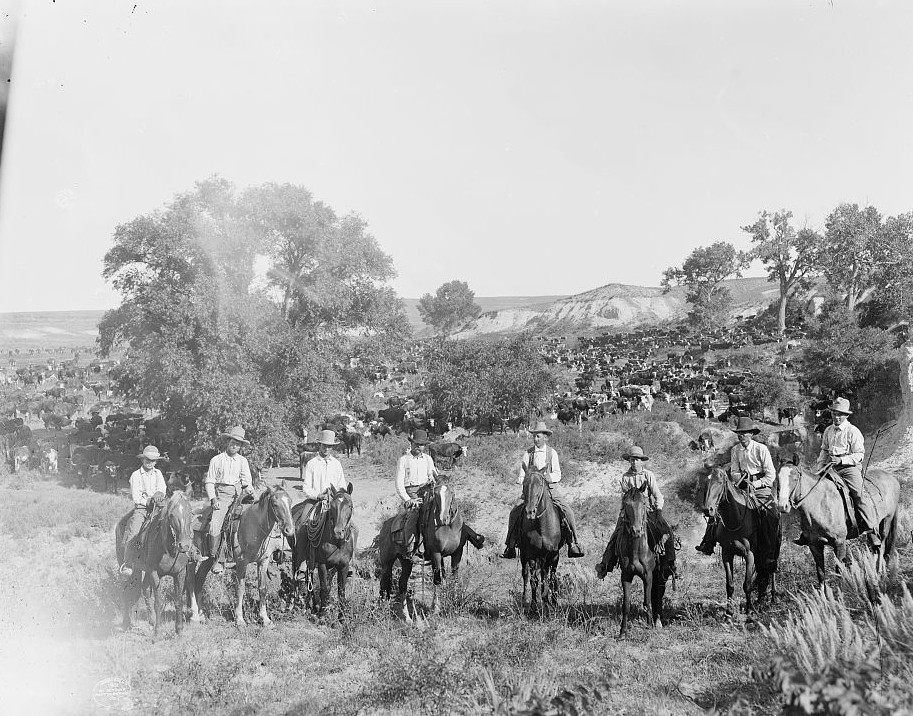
point(509, 553)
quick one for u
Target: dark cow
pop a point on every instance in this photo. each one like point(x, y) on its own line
point(352, 441)
point(393, 417)
point(514, 424)
point(788, 413)
point(446, 451)
point(379, 429)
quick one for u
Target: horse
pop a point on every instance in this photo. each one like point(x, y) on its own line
point(540, 539)
point(255, 541)
point(637, 559)
point(325, 546)
point(166, 552)
point(822, 515)
point(738, 534)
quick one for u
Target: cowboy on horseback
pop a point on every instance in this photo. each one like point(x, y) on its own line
point(414, 471)
point(543, 459)
point(147, 487)
point(843, 449)
point(227, 478)
point(750, 460)
point(635, 478)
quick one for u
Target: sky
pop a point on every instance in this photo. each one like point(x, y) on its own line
point(528, 148)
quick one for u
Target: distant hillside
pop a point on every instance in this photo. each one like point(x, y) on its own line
point(615, 307)
point(486, 303)
point(48, 329)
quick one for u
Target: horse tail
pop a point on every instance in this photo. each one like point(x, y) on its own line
point(891, 536)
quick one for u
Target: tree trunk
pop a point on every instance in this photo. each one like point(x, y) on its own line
point(896, 445)
point(781, 315)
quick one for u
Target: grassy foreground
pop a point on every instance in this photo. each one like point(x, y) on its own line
point(60, 603)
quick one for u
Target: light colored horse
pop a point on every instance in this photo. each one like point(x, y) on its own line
point(256, 539)
point(822, 516)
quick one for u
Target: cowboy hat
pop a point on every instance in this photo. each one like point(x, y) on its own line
point(746, 425)
point(327, 437)
point(420, 437)
point(635, 451)
point(840, 405)
point(540, 428)
point(237, 433)
point(150, 452)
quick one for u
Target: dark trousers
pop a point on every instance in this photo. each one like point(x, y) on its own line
point(567, 522)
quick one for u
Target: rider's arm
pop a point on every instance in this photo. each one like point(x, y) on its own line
point(401, 479)
point(770, 473)
point(824, 457)
point(658, 499)
point(308, 484)
point(555, 475)
point(524, 462)
point(855, 447)
point(160, 483)
point(338, 479)
point(136, 491)
point(246, 479)
point(209, 482)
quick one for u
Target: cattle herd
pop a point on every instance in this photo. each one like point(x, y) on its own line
point(94, 430)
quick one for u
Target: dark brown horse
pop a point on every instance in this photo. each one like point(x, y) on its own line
point(263, 527)
point(540, 539)
point(637, 559)
point(165, 552)
point(822, 514)
point(325, 546)
point(738, 532)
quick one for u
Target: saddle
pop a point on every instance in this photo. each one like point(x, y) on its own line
point(199, 522)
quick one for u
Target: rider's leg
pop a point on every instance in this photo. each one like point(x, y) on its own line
point(573, 548)
point(865, 513)
point(709, 541)
point(610, 556)
point(473, 537)
point(215, 529)
point(513, 521)
point(137, 517)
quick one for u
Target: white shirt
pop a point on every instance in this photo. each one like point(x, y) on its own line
point(754, 459)
point(227, 470)
point(540, 460)
point(321, 473)
point(633, 480)
point(413, 471)
point(843, 445)
point(144, 484)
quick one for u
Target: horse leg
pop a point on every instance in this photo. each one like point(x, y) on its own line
point(156, 582)
point(342, 578)
point(656, 597)
point(131, 594)
point(148, 597)
point(749, 580)
point(240, 573)
point(322, 596)
point(525, 579)
point(402, 596)
point(730, 586)
point(262, 582)
point(455, 560)
point(197, 578)
point(386, 579)
point(648, 595)
point(625, 603)
point(535, 587)
point(180, 580)
point(817, 550)
point(437, 571)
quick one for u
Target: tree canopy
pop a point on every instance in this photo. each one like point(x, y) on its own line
point(450, 307)
point(849, 253)
point(703, 273)
point(789, 256)
point(212, 341)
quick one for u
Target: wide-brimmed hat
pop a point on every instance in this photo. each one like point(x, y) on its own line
point(540, 428)
point(420, 437)
point(746, 425)
point(327, 437)
point(635, 451)
point(150, 452)
point(840, 405)
point(237, 433)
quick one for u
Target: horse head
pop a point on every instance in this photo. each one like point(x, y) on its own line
point(444, 505)
point(176, 530)
point(340, 512)
point(534, 489)
point(788, 478)
point(634, 507)
point(714, 490)
point(281, 506)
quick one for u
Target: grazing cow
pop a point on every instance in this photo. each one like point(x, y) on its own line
point(788, 413)
point(49, 461)
point(514, 424)
point(110, 471)
point(21, 456)
point(379, 429)
point(446, 451)
point(352, 441)
point(393, 417)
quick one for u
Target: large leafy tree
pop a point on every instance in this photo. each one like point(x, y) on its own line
point(450, 307)
point(789, 256)
point(478, 377)
point(892, 299)
point(207, 346)
point(850, 251)
point(703, 273)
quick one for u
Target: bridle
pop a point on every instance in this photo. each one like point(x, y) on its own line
point(528, 484)
point(725, 485)
point(794, 504)
point(628, 523)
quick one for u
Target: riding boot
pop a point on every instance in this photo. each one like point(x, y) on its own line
point(609, 558)
point(510, 550)
point(215, 547)
point(709, 542)
point(574, 550)
point(473, 537)
point(802, 540)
